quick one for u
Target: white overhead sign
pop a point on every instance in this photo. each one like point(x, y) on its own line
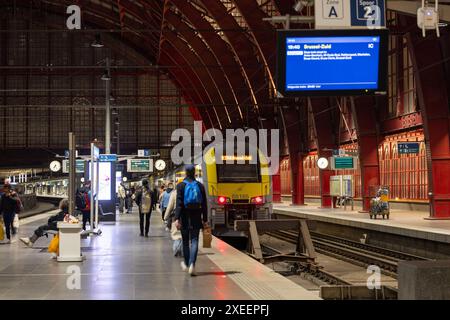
point(332, 13)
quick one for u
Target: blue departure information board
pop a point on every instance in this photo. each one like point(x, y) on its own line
point(332, 64)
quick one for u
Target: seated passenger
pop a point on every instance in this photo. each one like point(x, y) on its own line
point(51, 224)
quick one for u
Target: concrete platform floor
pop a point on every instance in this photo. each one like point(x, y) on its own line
point(119, 265)
point(122, 265)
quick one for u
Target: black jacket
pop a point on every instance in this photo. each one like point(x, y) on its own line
point(53, 220)
point(8, 204)
point(190, 218)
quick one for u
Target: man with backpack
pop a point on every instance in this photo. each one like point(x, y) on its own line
point(191, 215)
point(144, 202)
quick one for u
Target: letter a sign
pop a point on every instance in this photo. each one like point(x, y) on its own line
point(332, 13)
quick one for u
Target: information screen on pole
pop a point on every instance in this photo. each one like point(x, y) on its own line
point(140, 165)
point(79, 166)
point(332, 62)
point(341, 163)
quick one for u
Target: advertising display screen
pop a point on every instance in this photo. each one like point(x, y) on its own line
point(332, 62)
point(104, 186)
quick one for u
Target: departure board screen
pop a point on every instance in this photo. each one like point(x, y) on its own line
point(338, 62)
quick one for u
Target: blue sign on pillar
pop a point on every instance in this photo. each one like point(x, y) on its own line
point(368, 13)
point(408, 147)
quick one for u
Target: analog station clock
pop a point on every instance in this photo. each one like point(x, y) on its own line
point(322, 163)
point(55, 166)
point(160, 165)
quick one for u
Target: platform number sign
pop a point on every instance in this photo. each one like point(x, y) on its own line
point(368, 13)
point(349, 14)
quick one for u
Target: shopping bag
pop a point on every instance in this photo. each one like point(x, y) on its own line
point(177, 247)
point(2, 231)
point(16, 222)
point(207, 237)
point(53, 247)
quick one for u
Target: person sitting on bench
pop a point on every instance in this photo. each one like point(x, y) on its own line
point(51, 224)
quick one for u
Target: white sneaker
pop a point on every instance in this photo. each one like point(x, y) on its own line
point(26, 241)
point(183, 266)
point(192, 270)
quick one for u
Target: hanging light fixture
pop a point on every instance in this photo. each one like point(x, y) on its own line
point(106, 76)
point(97, 42)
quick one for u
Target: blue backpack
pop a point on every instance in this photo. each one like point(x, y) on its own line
point(192, 195)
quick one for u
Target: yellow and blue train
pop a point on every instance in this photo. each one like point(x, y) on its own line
point(235, 191)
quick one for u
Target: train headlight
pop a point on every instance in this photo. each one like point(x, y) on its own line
point(257, 200)
point(223, 200)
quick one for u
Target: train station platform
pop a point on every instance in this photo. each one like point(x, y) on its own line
point(122, 265)
point(400, 222)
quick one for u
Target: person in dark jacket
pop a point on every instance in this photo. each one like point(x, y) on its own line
point(51, 224)
point(190, 219)
point(86, 211)
point(144, 201)
point(8, 207)
point(155, 197)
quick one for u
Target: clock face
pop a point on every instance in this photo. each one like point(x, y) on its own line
point(55, 166)
point(322, 163)
point(160, 165)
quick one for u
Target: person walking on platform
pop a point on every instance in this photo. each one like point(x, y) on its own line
point(155, 196)
point(191, 215)
point(51, 224)
point(160, 195)
point(8, 208)
point(165, 199)
point(175, 234)
point(144, 202)
point(129, 199)
point(122, 196)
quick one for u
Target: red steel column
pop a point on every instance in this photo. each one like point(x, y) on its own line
point(293, 133)
point(326, 142)
point(276, 187)
point(433, 99)
point(298, 197)
point(364, 113)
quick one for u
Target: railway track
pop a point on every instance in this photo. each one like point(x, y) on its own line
point(315, 271)
point(353, 252)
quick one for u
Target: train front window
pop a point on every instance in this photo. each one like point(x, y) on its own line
point(238, 173)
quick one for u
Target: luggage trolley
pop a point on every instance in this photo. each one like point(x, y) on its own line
point(379, 204)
